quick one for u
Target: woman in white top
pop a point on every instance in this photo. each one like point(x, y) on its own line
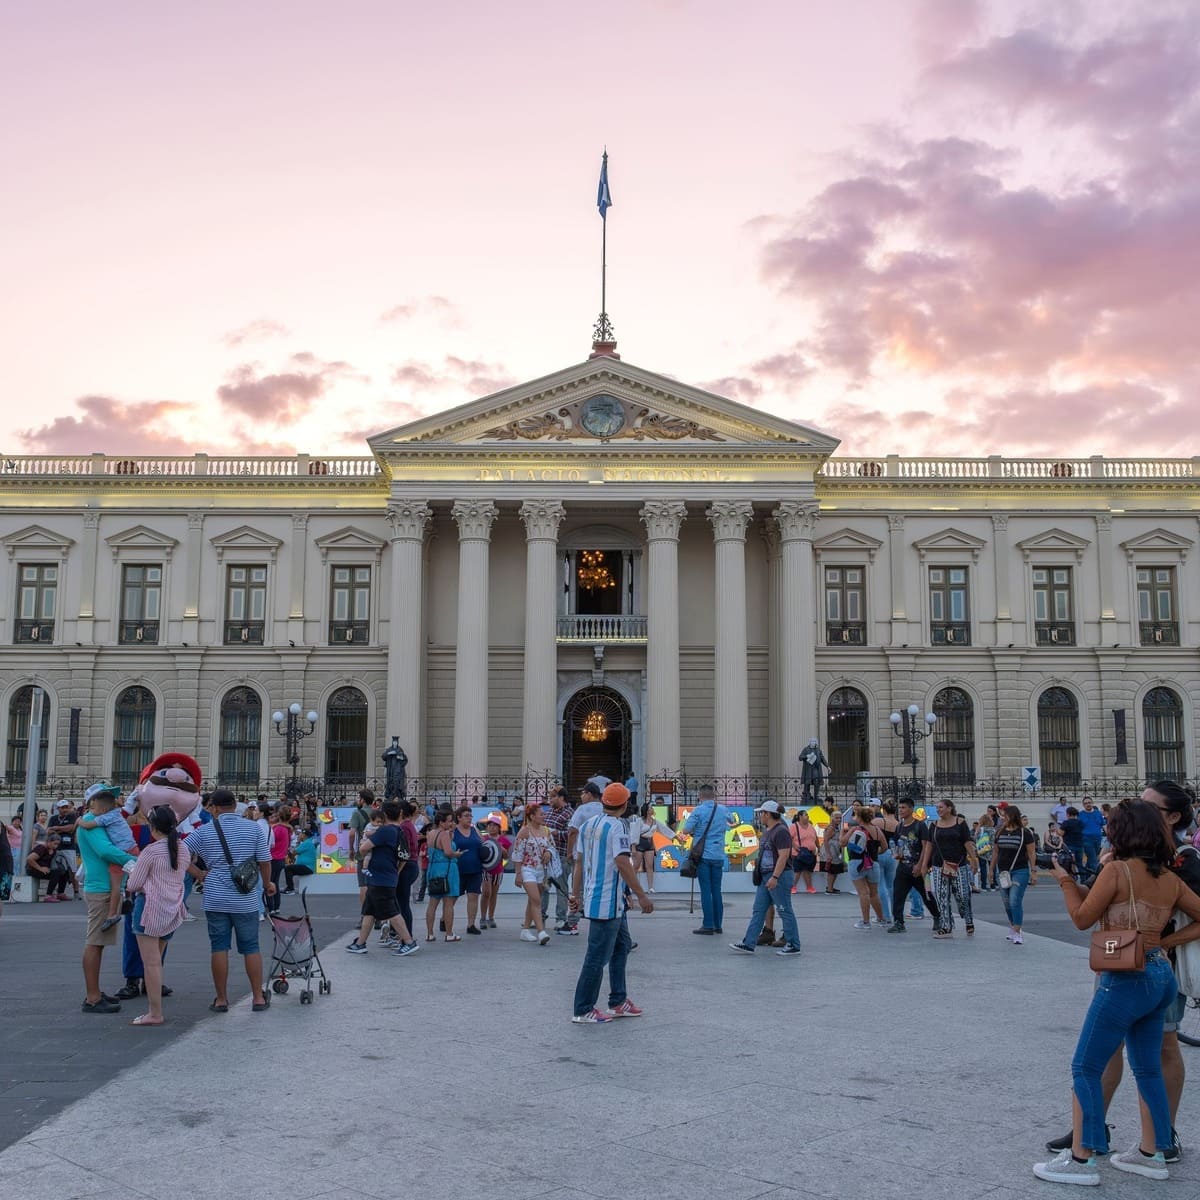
point(533, 856)
point(643, 825)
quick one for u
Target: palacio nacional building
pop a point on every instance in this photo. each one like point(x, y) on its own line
point(602, 570)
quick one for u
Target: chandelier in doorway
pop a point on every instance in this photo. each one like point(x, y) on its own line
point(594, 727)
point(592, 572)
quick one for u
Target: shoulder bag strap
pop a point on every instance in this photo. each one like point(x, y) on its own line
point(1132, 903)
point(221, 839)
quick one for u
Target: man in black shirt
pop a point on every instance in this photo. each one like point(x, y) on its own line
point(62, 822)
point(913, 850)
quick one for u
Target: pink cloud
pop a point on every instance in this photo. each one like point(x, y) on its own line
point(475, 376)
point(425, 306)
point(106, 425)
point(255, 331)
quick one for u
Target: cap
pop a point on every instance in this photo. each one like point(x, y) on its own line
point(616, 795)
point(63, 804)
point(592, 789)
point(100, 788)
point(771, 806)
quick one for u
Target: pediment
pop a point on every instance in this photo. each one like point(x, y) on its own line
point(142, 537)
point(246, 537)
point(352, 540)
point(603, 401)
point(848, 541)
point(1054, 541)
point(950, 540)
point(1160, 541)
point(39, 538)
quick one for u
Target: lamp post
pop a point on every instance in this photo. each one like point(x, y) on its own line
point(288, 724)
point(905, 725)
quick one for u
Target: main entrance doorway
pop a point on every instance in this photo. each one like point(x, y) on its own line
point(597, 738)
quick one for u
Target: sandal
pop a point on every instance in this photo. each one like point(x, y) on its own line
point(430, 938)
point(970, 931)
point(215, 1007)
point(452, 937)
point(145, 1019)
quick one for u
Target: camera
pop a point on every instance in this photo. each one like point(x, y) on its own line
point(1063, 858)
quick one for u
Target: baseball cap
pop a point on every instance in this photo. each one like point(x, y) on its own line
point(592, 789)
point(616, 795)
point(100, 788)
point(771, 806)
point(63, 804)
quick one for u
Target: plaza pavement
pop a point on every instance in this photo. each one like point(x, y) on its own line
point(871, 1066)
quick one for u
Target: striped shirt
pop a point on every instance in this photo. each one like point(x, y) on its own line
point(162, 886)
point(602, 840)
point(246, 840)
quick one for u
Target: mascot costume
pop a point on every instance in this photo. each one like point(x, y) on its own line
point(174, 780)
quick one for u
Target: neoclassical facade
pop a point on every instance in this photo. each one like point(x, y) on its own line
point(602, 570)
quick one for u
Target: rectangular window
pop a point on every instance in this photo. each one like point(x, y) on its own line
point(1053, 606)
point(245, 605)
point(37, 595)
point(949, 606)
point(141, 601)
point(1158, 621)
point(350, 605)
point(845, 606)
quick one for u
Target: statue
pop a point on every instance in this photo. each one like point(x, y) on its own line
point(394, 763)
point(812, 764)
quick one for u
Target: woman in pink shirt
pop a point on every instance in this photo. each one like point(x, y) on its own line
point(156, 877)
point(280, 841)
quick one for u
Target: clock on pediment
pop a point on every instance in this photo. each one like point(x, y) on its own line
point(602, 416)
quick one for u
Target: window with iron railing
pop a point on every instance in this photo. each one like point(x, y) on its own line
point(1053, 606)
point(1158, 622)
point(350, 605)
point(245, 605)
point(37, 597)
point(1058, 737)
point(949, 606)
point(845, 606)
point(141, 600)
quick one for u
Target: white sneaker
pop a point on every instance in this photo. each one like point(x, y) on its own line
point(1062, 1168)
point(1017, 940)
point(188, 917)
point(862, 924)
point(1010, 935)
point(543, 938)
point(1136, 1163)
point(527, 935)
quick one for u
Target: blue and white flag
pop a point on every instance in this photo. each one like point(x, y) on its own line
point(603, 195)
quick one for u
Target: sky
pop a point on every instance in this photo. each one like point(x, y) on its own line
point(925, 227)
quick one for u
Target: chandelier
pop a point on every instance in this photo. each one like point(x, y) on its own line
point(592, 572)
point(594, 727)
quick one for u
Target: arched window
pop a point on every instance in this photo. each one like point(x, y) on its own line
point(133, 736)
point(20, 711)
point(346, 736)
point(1162, 735)
point(847, 739)
point(1058, 737)
point(953, 738)
point(241, 738)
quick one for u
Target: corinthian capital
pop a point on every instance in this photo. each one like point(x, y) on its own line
point(663, 518)
point(542, 519)
point(797, 520)
point(729, 519)
point(474, 519)
point(770, 534)
point(409, 519)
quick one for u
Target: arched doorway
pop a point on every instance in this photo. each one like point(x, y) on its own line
point(847, 739)
point(597, 738)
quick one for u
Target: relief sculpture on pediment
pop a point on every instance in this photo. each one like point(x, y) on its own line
point(603, 418)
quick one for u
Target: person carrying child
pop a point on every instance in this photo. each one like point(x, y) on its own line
point(115, 825)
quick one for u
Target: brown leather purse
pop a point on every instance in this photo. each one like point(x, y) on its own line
point(1119, 949)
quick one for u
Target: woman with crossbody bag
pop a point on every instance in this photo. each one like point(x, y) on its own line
point(953, 848)
point(1014, 868)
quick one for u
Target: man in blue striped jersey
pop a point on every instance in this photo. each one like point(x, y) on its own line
point(603, 869)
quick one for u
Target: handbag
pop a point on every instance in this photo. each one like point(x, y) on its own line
point(245, 875)
point(691, 867)
point(1119, 949)
point(1004, 878)
point(1187, 956)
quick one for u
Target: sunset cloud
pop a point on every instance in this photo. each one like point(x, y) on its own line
point(255, 331)
point(437, 307)
point(103, 425)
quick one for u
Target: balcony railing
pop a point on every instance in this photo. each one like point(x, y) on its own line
point(1054, 633)
point(349, 633)
point(155, 468)
point(138, 633)
point(244, 633)
point(890, 467)
point(950, 633)
point(602, 630)
point(846, 633)
point(1159, 633)
point(34, 633)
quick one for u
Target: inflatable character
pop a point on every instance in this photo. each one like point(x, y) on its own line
point(174, 780)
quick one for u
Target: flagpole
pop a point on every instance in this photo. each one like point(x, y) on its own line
point(604, 339)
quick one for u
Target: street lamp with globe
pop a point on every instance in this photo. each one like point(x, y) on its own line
point(905, 725)
point(288, 725)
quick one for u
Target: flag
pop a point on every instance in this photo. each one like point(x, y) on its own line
point(603, 196)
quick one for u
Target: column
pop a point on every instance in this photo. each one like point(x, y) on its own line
point(898, 570)
point(474, 519)
point(542, 519)
point(87, 582)
point(1104, 562)
point(1000, 565)
point(194, 560)
point(409, 520)
point(770, 535)
point(797, 650)
point(299, 561)
point(662, 519)
point(731, 692)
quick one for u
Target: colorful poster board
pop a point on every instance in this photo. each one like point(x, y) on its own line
point(333, 842)
point(741, 838)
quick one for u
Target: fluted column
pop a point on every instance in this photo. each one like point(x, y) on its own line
point(662, 519)
point(731, 690)
point(797, 650)
point(474, 518)
point(409, 520)
point(542, 519)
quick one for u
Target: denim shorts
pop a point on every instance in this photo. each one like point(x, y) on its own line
point(222, 926)
point(139, 907)
point(1174, 1014)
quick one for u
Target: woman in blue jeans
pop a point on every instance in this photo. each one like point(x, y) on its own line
point(1133, 891)
point(1013, 868)
point(707, 816)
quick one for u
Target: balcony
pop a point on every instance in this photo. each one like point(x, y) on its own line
point(1158, 633)
point(1054, 633)
point(349, 633)
point(244, 633)
point(138, 633)
point(846, 633)
point(950, 633)
point(586, 630)
point(34, 633)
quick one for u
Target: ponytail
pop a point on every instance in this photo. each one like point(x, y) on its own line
point(162, 820)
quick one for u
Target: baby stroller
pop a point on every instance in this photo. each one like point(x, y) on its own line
point(295, 954)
